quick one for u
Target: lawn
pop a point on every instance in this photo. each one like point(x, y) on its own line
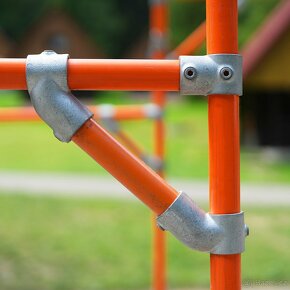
point(31, 146)
point(65, 243)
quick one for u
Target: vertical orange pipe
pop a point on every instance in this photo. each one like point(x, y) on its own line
point(159, 239)
point(159, 26)
point(224, 148)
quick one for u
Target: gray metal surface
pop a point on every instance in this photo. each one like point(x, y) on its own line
point(218, 234)
point(154, 162)
point(153, 111)
point(157, 42)
point(210, 74)
point(106, 111)
point(111, 125)
point(191, 225)
point(234, 233)
point(157, 2)
point(46, 77)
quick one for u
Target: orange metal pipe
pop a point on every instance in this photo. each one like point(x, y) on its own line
point(159, 239)
point(192, 42)
point(224, 148)
point(129, 112)
point(159, 26)
point(20, 114)
point(150, 188)
point(159, 17)
point(102, 74)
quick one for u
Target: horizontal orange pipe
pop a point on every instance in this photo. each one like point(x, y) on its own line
point(135, 175)
point(130, 112)
point(20, 114)
point(102, 74)
point(124, 112)
point(192, 42)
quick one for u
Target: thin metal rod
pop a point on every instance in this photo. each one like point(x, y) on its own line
point(102, 74)
point(224, 144)
point(142, 181)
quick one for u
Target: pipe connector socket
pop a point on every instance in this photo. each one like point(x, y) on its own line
point(217, 234)
point(46, 77)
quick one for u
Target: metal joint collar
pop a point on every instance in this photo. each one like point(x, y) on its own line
point(217, 234)
point(46, 77)
point(211, 74)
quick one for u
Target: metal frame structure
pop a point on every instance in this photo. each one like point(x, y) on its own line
point(221, 232)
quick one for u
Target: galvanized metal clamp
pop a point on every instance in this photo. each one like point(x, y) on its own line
point(218, 234)
point(46, 77)
point(211, 74)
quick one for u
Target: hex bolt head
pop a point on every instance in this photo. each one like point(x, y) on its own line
point(226, 73)
point(190, 73)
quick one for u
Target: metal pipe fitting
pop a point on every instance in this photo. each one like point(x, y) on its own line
point(153, 111)
point(154, 162)
point(46, 77)
point(158, 41)
point(211, 74)
point(217, 234)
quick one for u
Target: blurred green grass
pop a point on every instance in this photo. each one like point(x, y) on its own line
point(31, 146)
point(64, 243)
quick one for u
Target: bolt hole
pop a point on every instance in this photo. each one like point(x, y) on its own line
point(226, 73)
point(190, 73)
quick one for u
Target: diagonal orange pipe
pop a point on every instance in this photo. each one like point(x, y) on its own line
point(193, 42)
point(147, 185)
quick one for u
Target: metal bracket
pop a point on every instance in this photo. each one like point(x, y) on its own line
point(111, 125)
point(154, 162)
point(46, 77)
point(211, 74)
point(157, 42)
point(217, 234)
point(153, 111)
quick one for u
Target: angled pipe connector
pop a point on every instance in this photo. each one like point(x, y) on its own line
point(217, 234)
point(190, 224)
point(46, 77)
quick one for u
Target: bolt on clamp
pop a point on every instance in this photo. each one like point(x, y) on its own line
point(215, 233)
point(211, 74)
point(46, 77)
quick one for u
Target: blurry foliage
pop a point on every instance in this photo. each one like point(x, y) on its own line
point(184, 18)
point(116, 24)
point(252, 16)
point(187, 15)
point(112, 24)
